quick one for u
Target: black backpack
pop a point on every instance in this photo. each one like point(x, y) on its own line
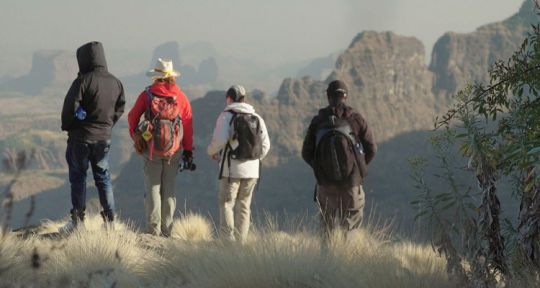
point(246, 140)
point(338, 154)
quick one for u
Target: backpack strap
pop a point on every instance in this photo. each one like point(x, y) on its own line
point(344, 130)
point(220, 176)
point(226, 151)
point(358, 149)
point(234, 114)
point(148, 113)
point(148, 116)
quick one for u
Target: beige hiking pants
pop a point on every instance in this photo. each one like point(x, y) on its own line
point(160, 198)
point(235, 207)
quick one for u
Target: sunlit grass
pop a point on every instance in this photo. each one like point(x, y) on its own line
point(96, 257)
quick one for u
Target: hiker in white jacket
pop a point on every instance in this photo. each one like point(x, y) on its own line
point(238, 177)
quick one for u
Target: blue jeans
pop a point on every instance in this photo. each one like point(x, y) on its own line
point(79, 155)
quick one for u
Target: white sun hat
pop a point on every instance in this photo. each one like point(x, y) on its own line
point(163, 69)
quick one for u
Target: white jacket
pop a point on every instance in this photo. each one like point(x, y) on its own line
point(223, 133)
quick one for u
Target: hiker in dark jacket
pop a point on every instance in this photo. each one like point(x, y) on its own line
point(339, 175)
point(94, 103)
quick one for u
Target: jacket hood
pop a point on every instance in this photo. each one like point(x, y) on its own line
point(165, 89)
point(341, 110)
point(91, 56)
point(240, 108)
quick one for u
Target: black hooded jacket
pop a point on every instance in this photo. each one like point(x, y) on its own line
point(98, 92)
point(359, 126)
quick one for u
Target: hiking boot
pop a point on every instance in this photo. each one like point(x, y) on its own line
point(68, 227)
point(109, 226)
point(77, 218)
point(108, 219)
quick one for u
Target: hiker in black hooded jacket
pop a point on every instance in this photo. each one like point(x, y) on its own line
point(94, 103)
point(341, 203)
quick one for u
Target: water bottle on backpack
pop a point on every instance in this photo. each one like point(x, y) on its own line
point(80, 113)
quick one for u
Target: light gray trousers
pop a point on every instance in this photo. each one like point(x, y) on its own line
point(235, 207)
point(160, 198)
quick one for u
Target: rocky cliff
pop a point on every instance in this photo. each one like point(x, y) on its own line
point(461, 58)
point(319, 68)
point(50, 68)
point(379, 68)
point(192, 78)
point(389, 83)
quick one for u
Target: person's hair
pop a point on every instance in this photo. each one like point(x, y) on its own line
point(170, 80)
point(240, 99)
point(235, 94)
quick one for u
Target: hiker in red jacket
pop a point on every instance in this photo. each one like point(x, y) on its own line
point(166, 129)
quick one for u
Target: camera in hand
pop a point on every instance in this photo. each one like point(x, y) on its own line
point(186, 165)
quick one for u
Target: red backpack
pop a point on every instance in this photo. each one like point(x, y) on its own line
point(164, 124)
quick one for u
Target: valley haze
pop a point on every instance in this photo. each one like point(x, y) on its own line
point(407, 76)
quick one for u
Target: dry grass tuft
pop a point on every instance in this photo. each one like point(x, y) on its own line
point(192, 227)
point(95, 257)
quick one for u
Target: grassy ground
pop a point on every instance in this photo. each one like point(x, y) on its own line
point(95, 257)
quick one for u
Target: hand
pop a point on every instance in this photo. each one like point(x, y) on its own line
point(215, 157)
point(187, 156)
point(187, 162)
point(139, 143)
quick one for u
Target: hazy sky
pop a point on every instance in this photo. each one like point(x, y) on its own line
point(273, 32)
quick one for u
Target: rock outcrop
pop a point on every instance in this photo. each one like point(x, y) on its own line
point(208, 71)
point(50, 68)
point(461, 58)
point(389, 83)
point(379, 69)
point(319, 68)
point(168, 50)
point(205, 74)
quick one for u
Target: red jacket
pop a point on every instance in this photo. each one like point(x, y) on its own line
point(164, 89)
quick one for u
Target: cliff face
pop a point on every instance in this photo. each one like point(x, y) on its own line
point(192, 78)
point(388, 83)
point(50, 68)
point(319, 68)
point(458, 59)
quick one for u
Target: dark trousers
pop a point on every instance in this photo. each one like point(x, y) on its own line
point(340, 207)
point(79, 156)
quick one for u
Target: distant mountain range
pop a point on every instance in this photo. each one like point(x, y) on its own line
point(390, 83)
point(202, 67)
point(49, 68)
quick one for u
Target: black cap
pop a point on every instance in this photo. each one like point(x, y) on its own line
point(336, 88)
